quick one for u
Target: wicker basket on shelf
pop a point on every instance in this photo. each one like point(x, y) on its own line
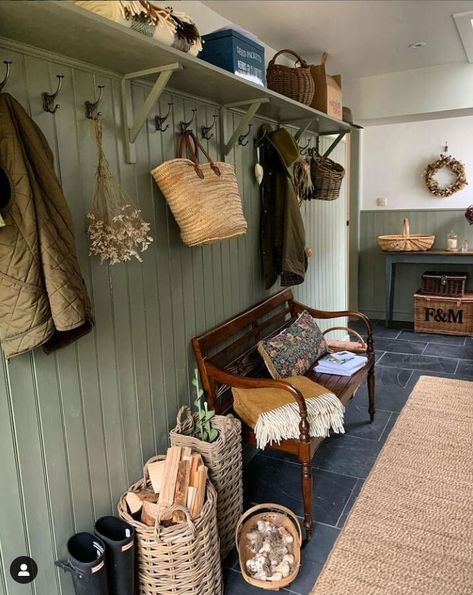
point(181, 559)
point(295, 82)
point(406, 242)
point(223, 458)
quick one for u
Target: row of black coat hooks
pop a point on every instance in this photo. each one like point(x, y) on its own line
point(91, 109)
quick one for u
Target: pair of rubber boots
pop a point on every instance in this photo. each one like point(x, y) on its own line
point(104, 563)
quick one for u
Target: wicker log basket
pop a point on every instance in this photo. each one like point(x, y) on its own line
point(327, 177)
point(276, 514)
point(295, 82)
point(182, 559)
point(223, 458)
point(406, 242)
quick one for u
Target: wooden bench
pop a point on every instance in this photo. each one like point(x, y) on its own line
point(227, 357)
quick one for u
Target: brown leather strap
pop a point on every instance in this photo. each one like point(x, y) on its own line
point(193, 146)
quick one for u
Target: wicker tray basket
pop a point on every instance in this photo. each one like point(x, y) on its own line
point(182, 559)
point(224, 461)
point(406, 242)
point(277, 514)
point(295, 82)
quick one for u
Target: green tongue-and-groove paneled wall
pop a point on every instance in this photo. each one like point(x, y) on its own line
point(77, 426)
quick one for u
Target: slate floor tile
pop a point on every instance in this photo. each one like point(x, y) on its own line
point(430, 338)
point(308, 573)
point(389, 426)
point(456, 351)
point(465, 369)
point(391, 392)
point(267, 480)
point(357, 421)
point(235, 584)
point(393, 346)
point(350, 502)
point(347, 455)
point(419, 362)
point(379, 330)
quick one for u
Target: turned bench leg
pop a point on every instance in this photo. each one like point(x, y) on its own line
point(307, 497)
point(371, 393)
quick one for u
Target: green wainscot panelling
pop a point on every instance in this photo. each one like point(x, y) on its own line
point(76, 427)
point(408, 277)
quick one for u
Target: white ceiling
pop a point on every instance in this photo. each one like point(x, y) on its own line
point(362, 37)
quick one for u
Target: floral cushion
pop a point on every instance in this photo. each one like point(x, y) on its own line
point(295, 349)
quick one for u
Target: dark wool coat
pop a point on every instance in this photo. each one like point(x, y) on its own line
point(282, 229)
point(43, 298)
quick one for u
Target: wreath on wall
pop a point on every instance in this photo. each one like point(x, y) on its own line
point(454, 166)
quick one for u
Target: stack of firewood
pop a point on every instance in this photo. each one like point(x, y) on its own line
point(180, 479)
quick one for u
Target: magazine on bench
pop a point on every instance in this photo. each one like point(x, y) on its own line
point(340, 363)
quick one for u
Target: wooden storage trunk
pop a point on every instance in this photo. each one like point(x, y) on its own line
point(441, 283)
point(444, 315)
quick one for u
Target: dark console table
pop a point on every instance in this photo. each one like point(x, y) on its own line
point(429, 257)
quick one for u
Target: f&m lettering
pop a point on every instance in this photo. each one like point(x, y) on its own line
point(439, 315)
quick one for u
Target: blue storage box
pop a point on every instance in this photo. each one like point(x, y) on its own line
point(231, 50)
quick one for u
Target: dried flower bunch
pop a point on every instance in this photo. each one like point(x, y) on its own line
point(117, 232)
point(469, 214)
point(272, 546)
point(453, 165)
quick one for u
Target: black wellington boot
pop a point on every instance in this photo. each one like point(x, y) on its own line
point(86, 563)
point(118, 537)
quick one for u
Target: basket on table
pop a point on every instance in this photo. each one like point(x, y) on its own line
point(223, 458)
point(295, 82)
point(279, 515)
point(327, 177)
point(358, 346)
point(406, 242)
point(182, 559)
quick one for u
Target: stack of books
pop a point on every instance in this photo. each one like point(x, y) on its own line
point(341, 363)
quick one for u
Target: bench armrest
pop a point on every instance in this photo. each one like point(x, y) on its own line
point(325, 314)
point(233, 380)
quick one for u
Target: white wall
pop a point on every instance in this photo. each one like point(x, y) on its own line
point(411, 93)
point(395, 155)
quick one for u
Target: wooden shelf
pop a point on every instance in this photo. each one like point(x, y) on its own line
point(63, 28)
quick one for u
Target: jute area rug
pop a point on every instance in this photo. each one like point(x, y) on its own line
point(411, 529)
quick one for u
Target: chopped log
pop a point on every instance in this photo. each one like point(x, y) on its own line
point(149, 514)
point(170, 476)
point(156, 475)
point(182, 483)
point(201, 488)
point(134, 502)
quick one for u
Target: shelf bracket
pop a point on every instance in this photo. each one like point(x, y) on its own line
point(131, 132)
point(334, 144)
point(254, 104)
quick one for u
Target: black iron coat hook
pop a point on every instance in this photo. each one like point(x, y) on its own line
point(244, 137)
point(159, 120)
point(50, 98)
point(7, 63)
point(305, 147)
point(91, 107)
point(207, 129)
point(185, 125)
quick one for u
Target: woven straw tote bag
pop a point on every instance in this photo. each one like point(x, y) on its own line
point(204, 198)
point(182, 559)
point(223, 457)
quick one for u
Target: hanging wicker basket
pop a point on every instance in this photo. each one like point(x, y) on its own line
point(327, 177)
point(182, 559)
point(406, 242)
point(295, 81)
point(223, 459)
point(279, 515)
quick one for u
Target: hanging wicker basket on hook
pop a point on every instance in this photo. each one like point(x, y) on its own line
point(454, 166)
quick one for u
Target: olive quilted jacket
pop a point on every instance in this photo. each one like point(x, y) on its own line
point(43, 298)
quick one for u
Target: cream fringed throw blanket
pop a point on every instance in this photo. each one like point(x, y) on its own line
point(274, 414)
